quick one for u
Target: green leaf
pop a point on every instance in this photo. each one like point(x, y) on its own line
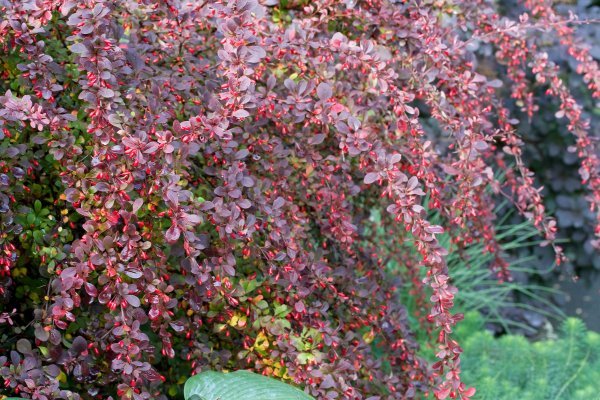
point(239, 385)
point(281, 310)
point(250, 285)
point(37, 206)
point(304, 358)
point(38, 236)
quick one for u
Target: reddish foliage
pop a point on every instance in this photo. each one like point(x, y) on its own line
point(229, 156)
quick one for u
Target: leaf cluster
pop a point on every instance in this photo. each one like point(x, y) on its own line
point(510, 366)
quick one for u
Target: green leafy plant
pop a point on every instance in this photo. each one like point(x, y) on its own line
point(239, 385)
point(511, 367)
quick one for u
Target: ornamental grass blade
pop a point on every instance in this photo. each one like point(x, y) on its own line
point(239, 385)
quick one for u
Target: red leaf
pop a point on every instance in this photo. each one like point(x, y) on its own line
point(442, 394)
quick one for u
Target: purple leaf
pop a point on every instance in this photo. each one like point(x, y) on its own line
point(278, 203)
point(137, 204)
point(324, 91)
point(80, 48)
point(106, 92)
point(133, 300)
point(371, 177)
point(255, 54)
point(24, 346)
point(173, 233)
point(317, 139)
point(412, 183)
point(299, 306)
point(241, 113)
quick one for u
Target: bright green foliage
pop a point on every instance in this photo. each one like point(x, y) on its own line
point(239, 385)
point(511, 367)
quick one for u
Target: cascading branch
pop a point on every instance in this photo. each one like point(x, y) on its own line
point(185, 186)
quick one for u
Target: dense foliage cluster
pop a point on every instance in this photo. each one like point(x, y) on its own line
point(191, 185)
point(509, 367)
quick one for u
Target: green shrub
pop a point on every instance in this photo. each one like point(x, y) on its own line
point(511, 367)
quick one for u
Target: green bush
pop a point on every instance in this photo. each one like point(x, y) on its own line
point(511, 367)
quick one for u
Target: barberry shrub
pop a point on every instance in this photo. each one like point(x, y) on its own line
point(190, 186)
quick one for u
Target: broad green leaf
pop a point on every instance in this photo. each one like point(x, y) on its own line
point(38, 236)
point(239, 385)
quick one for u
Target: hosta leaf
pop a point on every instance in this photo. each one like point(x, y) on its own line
point(239, 385)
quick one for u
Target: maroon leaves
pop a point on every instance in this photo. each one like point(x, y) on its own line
point(222, 165)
